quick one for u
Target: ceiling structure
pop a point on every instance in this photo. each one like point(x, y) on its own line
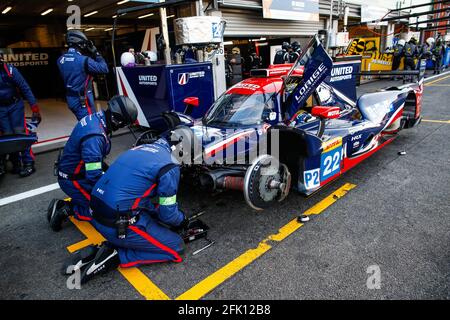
point(94, 14)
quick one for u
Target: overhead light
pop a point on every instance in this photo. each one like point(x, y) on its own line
point(108, 29)
point(114, 16)
point(146, 16)
point(90, 14)
point(171, 16)
point(89, 29)
point(46, 12)
point(122, 2)
point(7, 9)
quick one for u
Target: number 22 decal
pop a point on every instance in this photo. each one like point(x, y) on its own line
point(331, 163)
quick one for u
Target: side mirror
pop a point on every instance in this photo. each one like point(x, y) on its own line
point(326, 112)
point(191, 103)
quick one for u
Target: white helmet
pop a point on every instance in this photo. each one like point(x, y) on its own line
point(127, 59)
point(401, 42)
point(152, 56)
point(430, 41)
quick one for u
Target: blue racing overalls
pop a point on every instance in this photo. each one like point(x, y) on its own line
point(77, 72)
point(80, 165)
point(12, 110)
point(142, 173)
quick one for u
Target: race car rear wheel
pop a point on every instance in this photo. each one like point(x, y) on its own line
point(266, 181)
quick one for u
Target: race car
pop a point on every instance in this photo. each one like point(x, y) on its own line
point(292, 127)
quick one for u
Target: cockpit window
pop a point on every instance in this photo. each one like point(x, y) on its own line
point(238, 109)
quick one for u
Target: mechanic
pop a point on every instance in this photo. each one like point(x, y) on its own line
point(410, 52)
point(282, 56)
point(81, 164)
point(137, 231)
point(438, 54)
point(293, 54)
point(77, 67)
point(12, 115)
point(297, 47)
point(398, 54)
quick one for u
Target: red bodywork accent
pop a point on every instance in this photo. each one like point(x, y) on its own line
point(351, 162)
point(326, 112)
point(419, 94)
point(192, 101)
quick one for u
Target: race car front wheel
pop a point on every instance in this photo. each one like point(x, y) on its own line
point(266, 181)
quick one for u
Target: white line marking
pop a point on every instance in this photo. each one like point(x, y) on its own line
point(28, 194)
point(437, 76)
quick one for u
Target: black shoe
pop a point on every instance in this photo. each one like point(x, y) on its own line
point(27, 170)
point(106, 259)
point(59, 212)
point(79, 259)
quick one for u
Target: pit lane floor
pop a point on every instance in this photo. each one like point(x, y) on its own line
point(391, 212)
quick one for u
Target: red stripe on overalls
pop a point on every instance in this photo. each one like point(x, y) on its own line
point(77, 185)
point(146, 194)
point(86, 99)
point(7, 70)
point(156, 243)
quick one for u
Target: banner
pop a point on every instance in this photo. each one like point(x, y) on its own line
point(304, 10)
point(38, 67)
point(373, 58)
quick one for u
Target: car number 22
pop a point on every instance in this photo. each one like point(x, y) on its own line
point(330, 163)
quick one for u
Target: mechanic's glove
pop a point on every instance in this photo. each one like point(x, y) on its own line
point(92, 49)
point(36, 116)
point(183, 226)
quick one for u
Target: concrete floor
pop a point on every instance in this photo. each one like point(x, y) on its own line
point(57, 120)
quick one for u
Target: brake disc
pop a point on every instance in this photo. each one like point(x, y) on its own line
point(266, 181)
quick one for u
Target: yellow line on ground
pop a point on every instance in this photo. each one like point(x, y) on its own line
point(134, 276)
point(439, 85)
point(436, 121)
point(214, 280)
point(437, 80)
point(143, 284)
point(79, 245)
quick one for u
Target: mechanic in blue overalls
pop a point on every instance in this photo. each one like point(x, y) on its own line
point(138, 232)
point(12, 115)
point(78, 67)
point(81, 164)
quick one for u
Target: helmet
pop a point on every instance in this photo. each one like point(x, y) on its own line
point(285, 46)
point(295, 45)
point(127, 59)
point(401, 42)
point(152, 56)
point(121, 112)
point(76, 38)
point(430, 41)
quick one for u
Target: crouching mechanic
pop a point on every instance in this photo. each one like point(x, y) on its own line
point(138, 232)
point(12, 115)
point(81, 164)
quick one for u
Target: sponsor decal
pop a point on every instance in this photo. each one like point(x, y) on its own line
point(311, 81)
point(26, 59)
point(331, 144)
point(354, 138)
point(341, 73)
point(312, 179)
point(249, 86)
point(148, 80)
point(183, 78)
